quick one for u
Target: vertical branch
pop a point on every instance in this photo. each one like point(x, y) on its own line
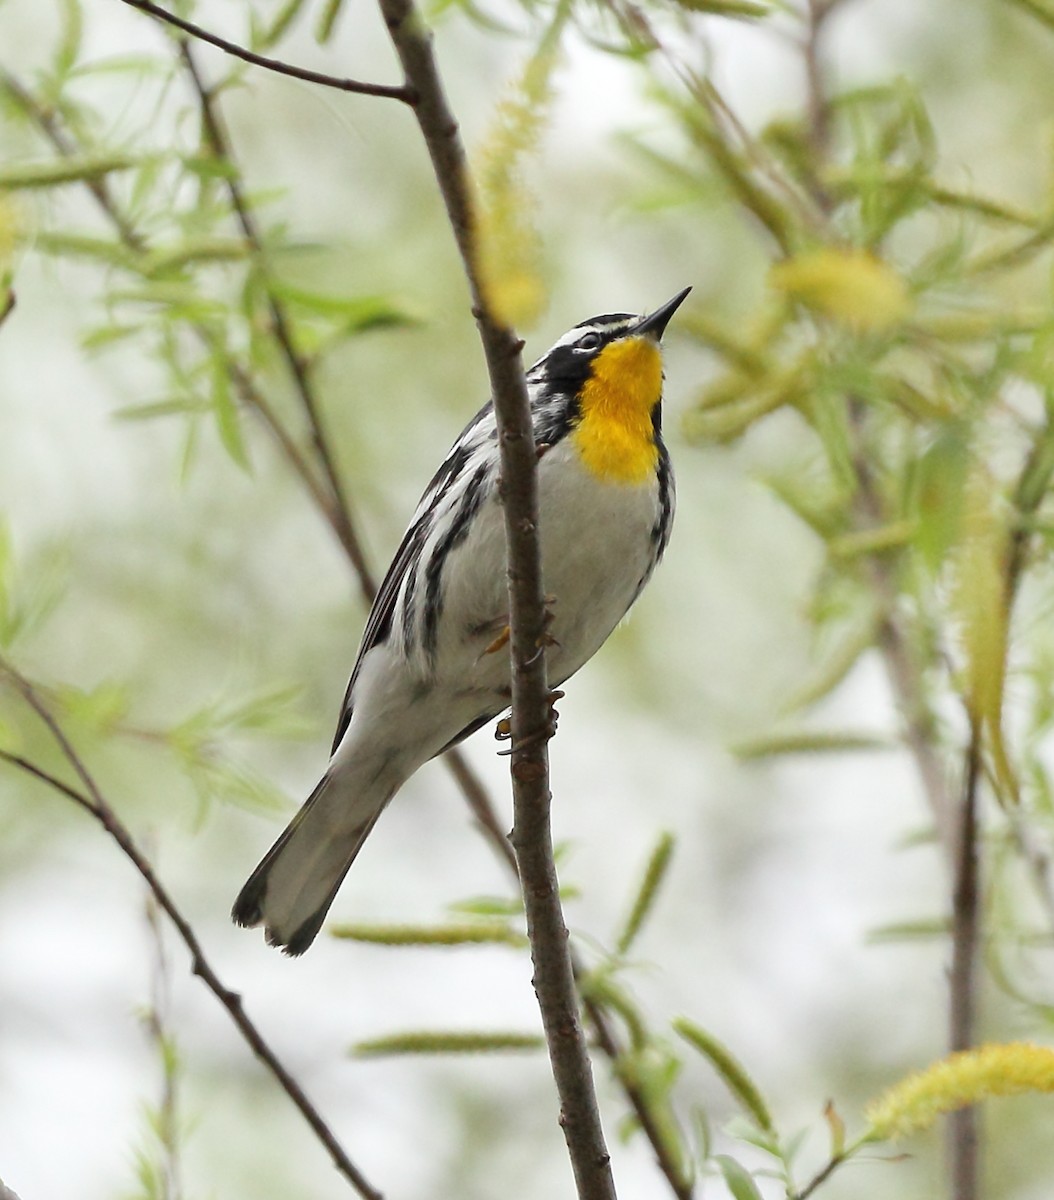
point(531, 720)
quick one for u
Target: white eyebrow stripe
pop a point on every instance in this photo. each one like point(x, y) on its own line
point(580, 331)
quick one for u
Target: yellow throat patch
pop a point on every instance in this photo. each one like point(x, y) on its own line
point(615, 436)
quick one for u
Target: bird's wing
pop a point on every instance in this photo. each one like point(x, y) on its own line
point(379, 622)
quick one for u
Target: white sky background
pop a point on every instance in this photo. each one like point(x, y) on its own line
point(779, 873)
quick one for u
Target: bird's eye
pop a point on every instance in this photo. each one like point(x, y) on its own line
point(587, 342)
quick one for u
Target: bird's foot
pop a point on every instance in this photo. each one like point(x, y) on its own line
point(503, 729)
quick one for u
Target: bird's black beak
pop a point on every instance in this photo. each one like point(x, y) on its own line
point(654, 324)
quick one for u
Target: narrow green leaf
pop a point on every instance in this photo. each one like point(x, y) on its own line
point(654, 874)
point(82, 245)
point(740, 1182)
point(807, 741)
point(87, 168)
point(910, 931)
point(226, 413)
point(194, 250)
point(751, 10)
point(363, 312)
point(327, 20)
point(731, 1070)
point(160, 408)
point(106, 335)
point(70, 42)
point(277, 29)
point(871, 541)
point(489, 906)
point(835, 667)
point(442, 1042)
point(478, 933)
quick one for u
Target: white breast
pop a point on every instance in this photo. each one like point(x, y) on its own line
point(596, 550)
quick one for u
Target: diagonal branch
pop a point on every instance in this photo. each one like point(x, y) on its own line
point(90, 798)
point(219, 144)
point(531, 721)
point(272, 64)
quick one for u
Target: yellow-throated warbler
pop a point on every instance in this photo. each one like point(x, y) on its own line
point(428, 671)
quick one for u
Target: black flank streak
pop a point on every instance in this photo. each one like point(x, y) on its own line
point(454, 536)
point(660, 532)
point(410, 587)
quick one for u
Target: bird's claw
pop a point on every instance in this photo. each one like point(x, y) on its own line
point(503, 729)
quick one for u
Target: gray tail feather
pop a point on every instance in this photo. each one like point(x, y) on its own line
point(331, 853)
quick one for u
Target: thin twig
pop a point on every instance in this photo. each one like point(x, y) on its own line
point(403, 94)
point(92, 801)
point(963, 1160)
point(220, 146)
point(532, 838)
point(48, 123)
point(132, 240)
point(7, 307)
point(157, 1020)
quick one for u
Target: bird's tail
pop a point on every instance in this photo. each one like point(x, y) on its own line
point(291, 890)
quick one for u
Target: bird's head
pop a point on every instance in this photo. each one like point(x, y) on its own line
point(603, 381)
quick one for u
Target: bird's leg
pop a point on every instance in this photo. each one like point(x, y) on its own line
point(546, 638)
point(499, 642)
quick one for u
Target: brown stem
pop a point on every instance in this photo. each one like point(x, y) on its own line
point(92, 801)
point(272, 64)
point(532, 838)
point(340, 509)
point(963, 1160)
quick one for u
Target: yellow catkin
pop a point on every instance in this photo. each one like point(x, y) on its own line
point(508, 247)
point(10, 232)
point(958, 1081)
point(981, 607)
point(848, 285)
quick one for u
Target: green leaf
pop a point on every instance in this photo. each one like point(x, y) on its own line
point(101, 708)
point(740, 1182)
point(443, 1042)
point(862, 542)
point(479, 933)
point(911, 931)
point(82, 245)
point(327, 20)
point(750, 10)
point(160, 408)
point(79, 168)
point(225, 410)
point(731, 1070)
point(286, 15)
point(194, 250)
point(651, 881)
point(70, 42)
point(357, 312)
point(836, 665)
point(806, 741)
point(489, 906)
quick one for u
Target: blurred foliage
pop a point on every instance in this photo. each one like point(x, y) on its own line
point(884, 303)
